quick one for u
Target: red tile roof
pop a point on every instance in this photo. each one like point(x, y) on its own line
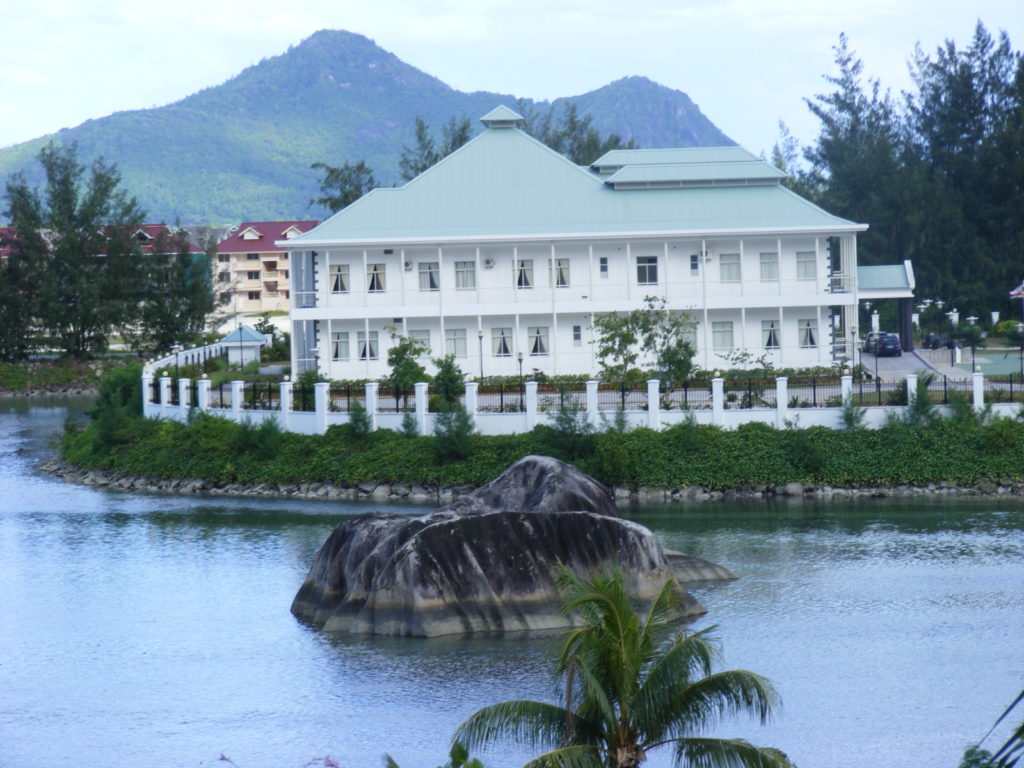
point(268, 232)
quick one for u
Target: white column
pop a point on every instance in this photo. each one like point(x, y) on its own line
point(371, 403)
point(321, 396)
point(911, 388)
point(237, 392)
point(203, 395)
point(286, 404)
point(781, 401)
point(147, 392)
point(183, 395)
point(420, 398)
point(718, 400)
point(846, 387)
point(979, 390)
point(654, 404)
point(592, 411)
point(471, 399)
point(531, 405)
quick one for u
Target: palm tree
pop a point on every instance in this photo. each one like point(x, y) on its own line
point(631, 686)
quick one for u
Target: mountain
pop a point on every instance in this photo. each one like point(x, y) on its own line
point(242, 150)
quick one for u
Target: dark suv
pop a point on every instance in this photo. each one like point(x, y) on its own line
point(889, 346)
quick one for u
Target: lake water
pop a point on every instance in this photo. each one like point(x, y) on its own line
point(148, 630)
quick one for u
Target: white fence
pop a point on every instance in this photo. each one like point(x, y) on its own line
point(803, 404)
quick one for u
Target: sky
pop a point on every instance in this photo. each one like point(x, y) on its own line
point(746, 63)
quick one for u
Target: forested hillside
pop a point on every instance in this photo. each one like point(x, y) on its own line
point(242, 150)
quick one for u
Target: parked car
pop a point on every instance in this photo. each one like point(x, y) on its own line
point(934, 341)
point(889, 346)
point(871, 340)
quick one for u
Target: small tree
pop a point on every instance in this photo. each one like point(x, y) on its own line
point(449, 381)
point(340, 187)
point(662, 333)
point(426, 153)
point(406, 370)
point(453, 429)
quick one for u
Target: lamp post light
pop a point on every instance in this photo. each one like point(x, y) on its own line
point(176, 349)
point(519, 357)
point(974, 341)
point(480, 336)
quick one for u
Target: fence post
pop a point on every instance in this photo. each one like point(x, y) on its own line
point(237, 392)
point(846, 388)
point(183, 396)
point(718, 400)
point(286, 403)
point(421, 402)
point(781, 401)
point(531, 405)
point(147, 393)
point(203, 394)
point(472, 388)
point(372, 388)
point(979, 390)
point(911, 388)
point(321, 396)
point(592, 403)
point(654, 404)
point(165, 395)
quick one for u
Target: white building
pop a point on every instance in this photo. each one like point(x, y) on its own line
point(507, 249)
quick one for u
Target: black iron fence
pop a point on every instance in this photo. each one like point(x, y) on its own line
point(1004, 389)
point(498, 398)
point(614, 396)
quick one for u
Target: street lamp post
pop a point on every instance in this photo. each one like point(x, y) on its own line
point(480, 336)
point(972, 320)
point(519, 357)
point(1020, 338)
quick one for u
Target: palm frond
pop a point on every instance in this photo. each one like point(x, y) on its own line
point(736, 691)
point(597, 700)
point(657, 702)
point(533, 724)
point(727, 753)
point(580, 756)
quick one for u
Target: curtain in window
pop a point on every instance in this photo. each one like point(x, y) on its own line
point(539, 340)
point(339, 278)
point(806, 265)
point(465, 275)
point(808, 333)
point(501, 342)
point(770, 334)
point(769, 266)
point(721, 334)
point(729, 268)
point(430, 278)
point(561, 273)
point(524, 274)
point(375, 278)
point(368, 345)
point(339, 345)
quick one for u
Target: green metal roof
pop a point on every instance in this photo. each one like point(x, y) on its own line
point(505, 184)
point(707, 174)
point(888, 277)
point(617, 158)
point(500, 116)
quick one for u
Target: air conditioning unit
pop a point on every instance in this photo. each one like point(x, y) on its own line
point(488, 263)
point(408, 266)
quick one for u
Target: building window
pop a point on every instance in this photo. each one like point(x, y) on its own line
point(602, 266)
point(721, 334)
point(770, 334)
point(694, 263)
point(252, 275)
point(430, 276)
point(769, 267)
point(538, 339)
point(647, 270)
point(254, 295)
point(806, 265)
point(224, 277)
point(465, 275)
point(524, 274)
point(252, 256)
point(577, 335)
point(224, 258)
point(423, 337)
point(455, 341)
point(808, 330)
point(501, 342)
point(286, 294)
point(560, 273)
point(339, 278)
point(367, 345)
point(339, 345)
point(729, 270)
point(375, 275)
point(285, 273)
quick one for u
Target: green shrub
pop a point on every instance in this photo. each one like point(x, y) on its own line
point(453, 430)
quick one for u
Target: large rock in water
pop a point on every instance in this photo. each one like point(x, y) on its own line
point(485, 564)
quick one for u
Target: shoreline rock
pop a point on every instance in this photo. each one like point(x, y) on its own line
point(445, 494)
point(69, 390)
